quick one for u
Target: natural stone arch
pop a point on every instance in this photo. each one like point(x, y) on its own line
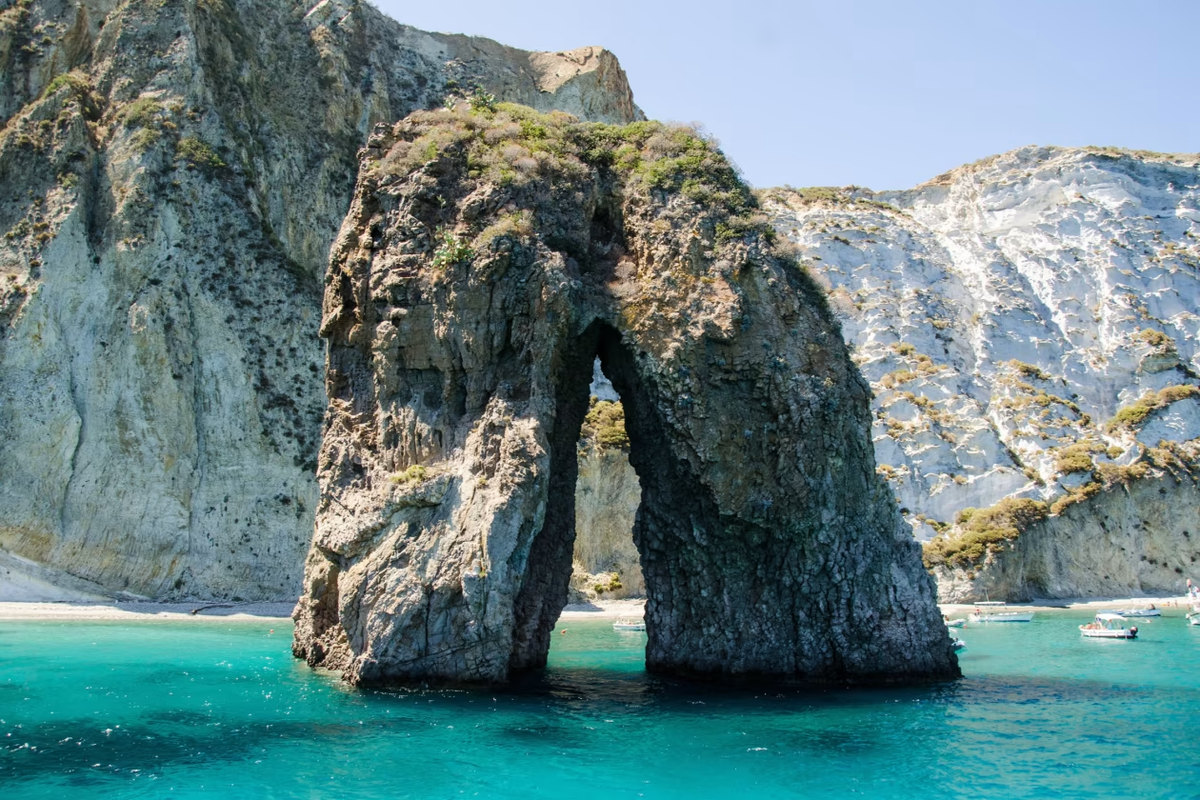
point(467, 297)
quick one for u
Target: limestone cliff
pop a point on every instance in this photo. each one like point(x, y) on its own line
point(490, 255)
point(1030, 327)
point(607, 495)
point(172, 174)
point(1136, 537)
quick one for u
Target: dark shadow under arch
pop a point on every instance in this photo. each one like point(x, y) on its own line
point(673, 521)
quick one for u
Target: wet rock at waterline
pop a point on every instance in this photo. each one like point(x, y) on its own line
point(489, 256)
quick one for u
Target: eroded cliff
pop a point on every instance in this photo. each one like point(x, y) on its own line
point(172, 174)
point(1029, 324)
point(490, 255)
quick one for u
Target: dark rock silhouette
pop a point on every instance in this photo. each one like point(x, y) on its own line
point(488, 257)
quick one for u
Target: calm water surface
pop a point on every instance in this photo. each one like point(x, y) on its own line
point(222, 710)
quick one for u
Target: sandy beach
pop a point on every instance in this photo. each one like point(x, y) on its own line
point(1080, 604)
point(605, 609)
point(145, 611)
point(136, 611)
point(233, 612)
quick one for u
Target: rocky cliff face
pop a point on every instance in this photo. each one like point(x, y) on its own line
point(605, 562)
point(173, 174)
point(1029, 325)
point(489, 257)
point(1134, 537)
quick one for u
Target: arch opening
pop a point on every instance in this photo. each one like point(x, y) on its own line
point(669, 529)
point(606, 563)
point(545, 590)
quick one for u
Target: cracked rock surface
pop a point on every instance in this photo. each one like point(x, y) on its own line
point(488, 257)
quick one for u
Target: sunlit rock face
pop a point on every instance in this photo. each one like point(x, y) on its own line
point(173, 176)
point(488, 258)
point(1133, 538)
point(1004, 313)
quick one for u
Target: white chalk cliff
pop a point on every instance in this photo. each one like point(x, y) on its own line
point(1005, 312)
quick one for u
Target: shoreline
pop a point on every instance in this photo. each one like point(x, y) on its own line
point(1081, 604)
point(146, 611)
point(139, 611)
point(604, 609)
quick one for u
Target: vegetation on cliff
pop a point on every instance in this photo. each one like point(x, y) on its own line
point(532, 161)
point(512, 144)
point(1132, 416)
point(604, 427)
point(978, 532)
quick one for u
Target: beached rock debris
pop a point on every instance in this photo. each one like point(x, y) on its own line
point(489, 256)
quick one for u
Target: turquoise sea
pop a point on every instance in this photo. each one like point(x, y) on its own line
point(220, 709)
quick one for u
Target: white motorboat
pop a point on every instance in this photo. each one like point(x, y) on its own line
point(1108, 626)
point(958, 644)
point(1146, 611)
point(629, 624)
point(991, 611)
point(954, 623)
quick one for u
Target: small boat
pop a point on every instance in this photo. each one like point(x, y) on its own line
point(629, 624)
point(1193, 618)
point(1146, 611)
point(1108, 626)
point(954, 623)
point(958, 644)
point(990, 615)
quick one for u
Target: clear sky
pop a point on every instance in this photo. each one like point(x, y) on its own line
point(878, 94)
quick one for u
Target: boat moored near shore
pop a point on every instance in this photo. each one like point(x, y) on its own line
point(993, 611)
point(1108, 626)
point(1145, 611)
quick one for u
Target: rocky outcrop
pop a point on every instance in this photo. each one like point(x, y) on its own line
point(172, 174)
point(488, 258)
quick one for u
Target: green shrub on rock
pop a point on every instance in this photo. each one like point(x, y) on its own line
point(979, 531)
point(604, 427)
point(1133, 416)
point(198, 153)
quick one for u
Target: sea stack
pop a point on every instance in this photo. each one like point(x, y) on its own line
point(490, 255)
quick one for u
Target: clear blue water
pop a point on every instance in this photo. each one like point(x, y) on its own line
point(222, 710)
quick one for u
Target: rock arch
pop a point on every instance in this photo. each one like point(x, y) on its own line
point(467, 297)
